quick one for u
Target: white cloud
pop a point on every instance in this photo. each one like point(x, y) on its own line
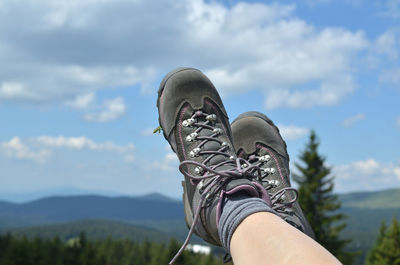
point(118, 44)
point(365, 167)
point(15, 148)
point(349, 122)
point(292, 132)
point(391, 76)
point(386, 44)
point(82, 101)
point(64, 82)
point(391, 8)
point(129, 158)
point(384, 52)
point(368, 174)
point(98, 77)
point(147, 132)
point(313, 3)
point(82, 142)
point(330, 93)
point(113, 109)
point(16, 91)
point(41, 148)
point(170, 162)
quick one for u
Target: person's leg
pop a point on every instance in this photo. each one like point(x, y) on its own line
point(264, 238)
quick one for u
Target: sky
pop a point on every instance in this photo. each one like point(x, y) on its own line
point(78, 83)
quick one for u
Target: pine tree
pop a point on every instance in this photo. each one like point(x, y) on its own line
point(318, 201)
point(386, 250)
point(373, 255)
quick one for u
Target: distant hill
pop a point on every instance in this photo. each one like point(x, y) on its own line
point(21, 197)
point(365, 212)
point(387, 199)
point(161, 217)
point(94, 229)
point(70, 208)
point(154, 208)
point(156, 197)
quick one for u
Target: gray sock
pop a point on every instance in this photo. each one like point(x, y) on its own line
point(236, 208)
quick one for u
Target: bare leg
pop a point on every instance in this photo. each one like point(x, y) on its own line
point(264, 238)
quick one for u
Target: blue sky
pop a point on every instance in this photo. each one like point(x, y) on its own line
point(79, 78)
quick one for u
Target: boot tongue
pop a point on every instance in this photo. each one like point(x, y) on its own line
point(253, 189)
point(214, 146)
point(241, 185)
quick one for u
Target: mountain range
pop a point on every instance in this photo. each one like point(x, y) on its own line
point(69, 208)
point(157, 217)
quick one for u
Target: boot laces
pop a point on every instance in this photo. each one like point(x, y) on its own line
point(211, 179)
point(278, 199)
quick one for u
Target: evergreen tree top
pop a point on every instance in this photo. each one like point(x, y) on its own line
point(387, 247)
point(318, 201)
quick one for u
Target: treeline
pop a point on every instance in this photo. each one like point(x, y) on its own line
point(387, 246)
point(322, 210)
point(80, 251)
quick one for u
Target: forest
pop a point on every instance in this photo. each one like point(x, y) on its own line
point(81, 251)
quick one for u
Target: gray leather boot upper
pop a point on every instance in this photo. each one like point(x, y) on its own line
point(256, 138)
point(195, 123)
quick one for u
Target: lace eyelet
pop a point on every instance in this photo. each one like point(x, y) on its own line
point(191, 137)
point(199, 170)
point(211, 117)
point(195, 152)
point(217, 131)
point(269, 170)
point(264, 158)
point(188, 122)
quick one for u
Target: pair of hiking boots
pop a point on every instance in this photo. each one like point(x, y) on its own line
point(219, 159)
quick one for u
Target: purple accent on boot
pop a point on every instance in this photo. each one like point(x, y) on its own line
point(275, 159)
point(249, 189)
point(180, 129)
point(219, 207)
point(264, 193)
point(209, 102)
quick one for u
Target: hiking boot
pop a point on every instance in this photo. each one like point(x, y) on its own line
point(194, 122)
point(257, 139)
